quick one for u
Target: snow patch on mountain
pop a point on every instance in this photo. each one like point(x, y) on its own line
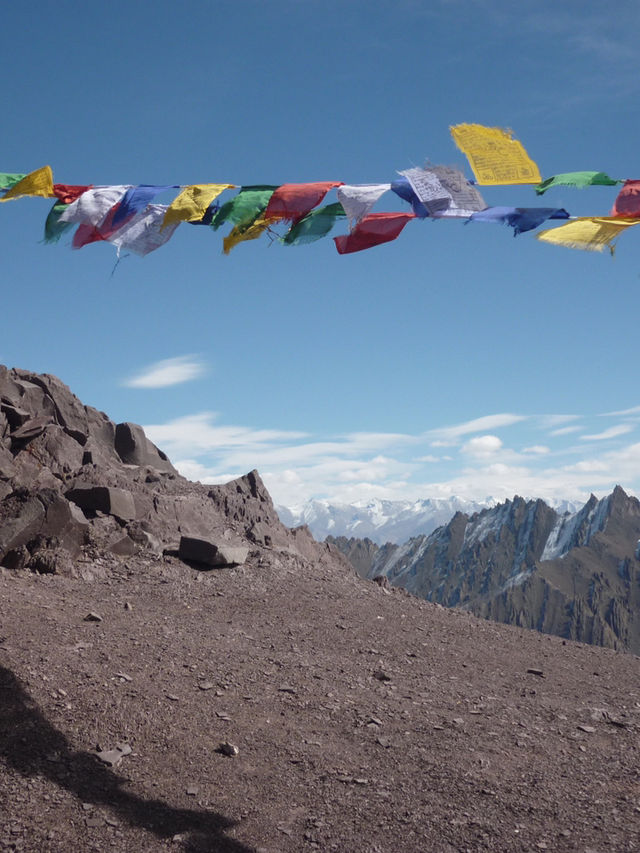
point(575, 529)
point(379, 520)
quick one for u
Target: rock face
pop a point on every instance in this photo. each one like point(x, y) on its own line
point(575, 575)
point(72, 481)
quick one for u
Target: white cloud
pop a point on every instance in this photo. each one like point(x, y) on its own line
point(297, 466)
point(612, 432)
point(169, 371)
point(482, 446)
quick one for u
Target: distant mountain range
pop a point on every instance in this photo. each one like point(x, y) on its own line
point(575, 574)
point(384, 521)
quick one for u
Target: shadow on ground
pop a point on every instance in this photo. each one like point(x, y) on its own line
point(28, 743)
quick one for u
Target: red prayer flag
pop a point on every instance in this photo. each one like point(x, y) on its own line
point(627, 204)
point(66, 193)
point(293, 201)
point(371, 231)
point(86, 234)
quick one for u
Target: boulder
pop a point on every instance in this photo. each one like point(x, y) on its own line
point(134, 448)
point(44, 517)
point(211, 553)
point(116, 502)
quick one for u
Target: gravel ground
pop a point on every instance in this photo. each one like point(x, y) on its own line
point(287, 705)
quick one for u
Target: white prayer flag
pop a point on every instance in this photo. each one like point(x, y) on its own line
point(144, 233)
point(358, 199)
point(93, 205)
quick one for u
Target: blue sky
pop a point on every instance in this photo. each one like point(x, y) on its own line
point(455, 360)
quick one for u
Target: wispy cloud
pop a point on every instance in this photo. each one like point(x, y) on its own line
point(488, 422)
point(168, 371)
point(612, 432)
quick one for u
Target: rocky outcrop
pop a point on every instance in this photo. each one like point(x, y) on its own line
point(72, 481)
point(361, 553)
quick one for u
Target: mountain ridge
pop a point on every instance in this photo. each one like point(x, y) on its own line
point(382, 520)
point(523, 563)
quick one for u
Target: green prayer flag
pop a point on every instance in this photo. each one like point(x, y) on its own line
point(314, 225)
point(244, 207)
point(9, 179)
point(577, 179)
point(53, 228)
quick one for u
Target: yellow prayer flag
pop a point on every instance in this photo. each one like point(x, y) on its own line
point(192, 203)
point(241, 234)
point(588, 232)
point(494, 155)
point(39, 182)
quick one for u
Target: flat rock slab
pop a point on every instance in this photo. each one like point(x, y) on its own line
point(211, 553)
point(118, 502)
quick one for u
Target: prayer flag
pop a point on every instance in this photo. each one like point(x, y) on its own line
point(577, 179)
point(93, 205)
point(628, 201)
point(245, 206)
point(373, 230)
point(242, 233)
point(38, 183)
point(428, 189)
point(86, 233)
point(136, 199)
point(145, 232)
point(465, 198)
point(314, 225)
point(401, 187)
point(358, 199)
point(293, 201)
point(521, 219)
point(591, 233)
point(68, 193)
point(53, 228)
point(193, 201)
point(494, 155)
point(10, 179)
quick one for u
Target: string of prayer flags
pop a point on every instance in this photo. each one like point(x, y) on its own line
point(10, 179)
point(357, 200)
point(293, 201)
point(577, 179)
point(242, 233)
point(589, 232)
point(39, 183)
point(68, 193)
point(93, 205)
point(193, 202)
point(314, 225)
point(494, 155)
point(245, 206)
point(373, 230)
point(127, 215)
point(628, 201)
point(521, 219)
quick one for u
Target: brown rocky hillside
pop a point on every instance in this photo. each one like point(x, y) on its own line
point(178, 671)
